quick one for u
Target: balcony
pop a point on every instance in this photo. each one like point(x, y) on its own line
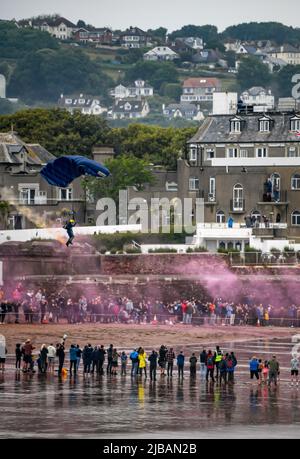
point(273, 200)
point(209, 198)
point(237, 206)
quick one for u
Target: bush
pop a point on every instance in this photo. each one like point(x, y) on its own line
point(113, 251)
point(196, 250)
point(252, 249)
point(133, 250)
point(163, 250)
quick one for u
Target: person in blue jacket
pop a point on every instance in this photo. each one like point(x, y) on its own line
point(254, 366)
point(69, 225)
point(73, 359)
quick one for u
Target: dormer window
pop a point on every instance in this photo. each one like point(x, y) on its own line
point(265, 124)
point(295, 123)
point(236, 125)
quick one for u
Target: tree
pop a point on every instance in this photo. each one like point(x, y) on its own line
point(230, 57)
point(17, 42)
point(45, 74)
point(284, 79)
point(57, 130)
point(207, 32)
point(252, 72)
point(4, 211)
point(172, 90)
point(158, 34)
point(274, 31)
point(156, 73)
point(125, 171)
point(81, 24)
point(6, 107)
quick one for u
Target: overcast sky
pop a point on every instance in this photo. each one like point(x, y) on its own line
point(146, 14)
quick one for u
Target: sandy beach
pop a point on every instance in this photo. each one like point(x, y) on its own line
point(128, 336)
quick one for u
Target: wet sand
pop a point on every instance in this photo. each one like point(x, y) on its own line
point(128, 336)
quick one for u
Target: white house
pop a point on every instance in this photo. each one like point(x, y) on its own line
point(58, 27)
point(139, 89)
point(258, 96)
point(184, 110)
point(199, 89)
point(161, 53)
point(87, 105)
point(123, 109)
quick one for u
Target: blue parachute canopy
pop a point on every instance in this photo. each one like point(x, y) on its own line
point(62, 171)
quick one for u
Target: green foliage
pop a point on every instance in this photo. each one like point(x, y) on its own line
point(156, 73)
point(158, 34)
point(45, 74)
point(252, 72)
point(274, 31)
point(172, 90)
point(196, 250)
point(207, 32)
point(17, 42)
point(153, 143)
point(230, 57)
point(125, 171)
point(133, 250)
point(250, 249)
point(57, 130)
point(284, 79)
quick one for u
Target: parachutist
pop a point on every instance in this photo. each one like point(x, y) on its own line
point(69, 225)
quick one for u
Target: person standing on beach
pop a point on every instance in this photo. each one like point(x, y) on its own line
point(51, 357)
point(60, 352)
point(142, 362)
point(162, 359)
point(193, 365)
point(180, 364)
point(170, 356)
point(18, 353)
point(153, 365)
point(109, 352)
point(210, 366)
point(274, 370)
point(253, 366)
point(134, 357)
point(294, 371)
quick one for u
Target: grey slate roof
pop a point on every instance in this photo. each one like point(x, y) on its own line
point(11, 146)
point(216, 129)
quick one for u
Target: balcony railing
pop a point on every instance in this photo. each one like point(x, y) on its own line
point(42, 201)
point(281, 197)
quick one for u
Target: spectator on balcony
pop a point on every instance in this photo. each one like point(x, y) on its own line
point(230, 222)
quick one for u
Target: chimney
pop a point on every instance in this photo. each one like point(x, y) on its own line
point(101, 153)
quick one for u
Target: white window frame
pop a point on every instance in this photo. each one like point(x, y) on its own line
point(261, 152)
point(25, 196)
point(69, 194)
point(238, 198)
point(210, 153)
point(193, 154)
point(295, 182)
point(220, 217)
point(264, 125)
point(235, 126)
point(233, 152)
point(295, 125)
point(295, 218)
point(212, 185)
point(292, 152)
point(193, 184)
point(243, 153)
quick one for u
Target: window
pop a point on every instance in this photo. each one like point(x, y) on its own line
point(193, 154)
point(264, 125)
point(243, 153)
point(220, 217)
point(295, 182)
point(235, 125)
point(232, 152)
point(295, 123)
point(238, 198)
point(210, 153)
point(171, 186)
point(65, 194)
point(292, 152)
point(27, 196)
point(193, 184)
point(296, 218)
point(212, 188)
point(262, 152)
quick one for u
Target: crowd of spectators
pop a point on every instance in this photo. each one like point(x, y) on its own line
point(103, 304)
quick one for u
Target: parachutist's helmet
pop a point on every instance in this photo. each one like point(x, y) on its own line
point(72, 221)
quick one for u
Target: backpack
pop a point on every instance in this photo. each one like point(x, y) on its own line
point(230, 364)
point(210, 362)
